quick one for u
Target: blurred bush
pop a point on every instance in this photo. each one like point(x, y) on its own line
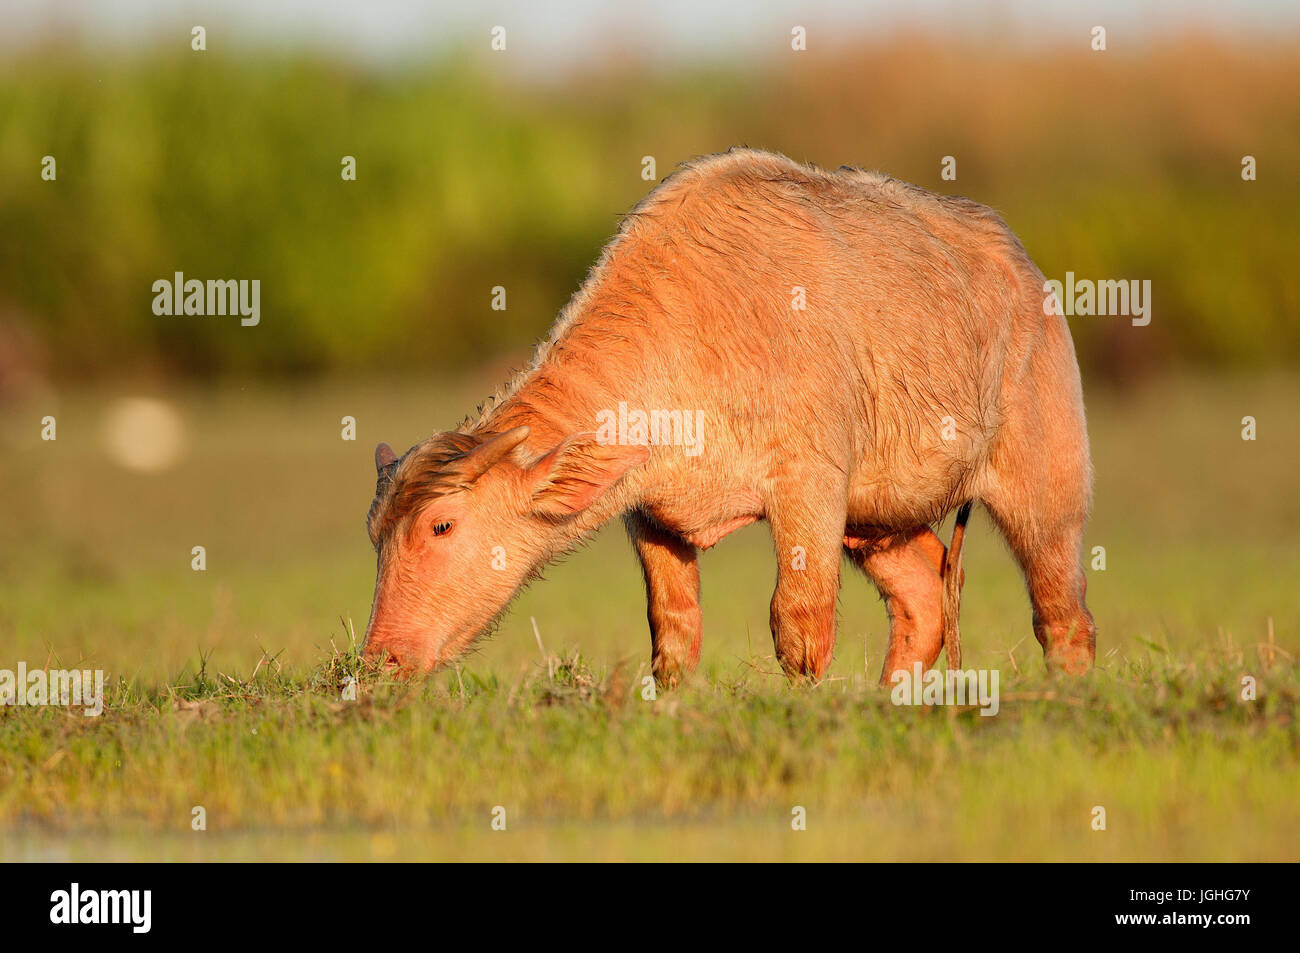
point(1124, 164)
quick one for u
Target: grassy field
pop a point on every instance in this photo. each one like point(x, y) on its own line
point(225, 685)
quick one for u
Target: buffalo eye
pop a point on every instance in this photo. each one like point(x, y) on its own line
point(441, 529)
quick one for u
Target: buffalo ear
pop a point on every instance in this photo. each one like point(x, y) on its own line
point(384, 457)
point(577, 472)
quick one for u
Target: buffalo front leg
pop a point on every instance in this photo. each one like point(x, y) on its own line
point(808, 536)
point(672, 587)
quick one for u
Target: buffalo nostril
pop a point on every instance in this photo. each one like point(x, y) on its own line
point(381, 658)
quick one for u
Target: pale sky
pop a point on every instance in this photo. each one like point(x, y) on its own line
point(564, 31)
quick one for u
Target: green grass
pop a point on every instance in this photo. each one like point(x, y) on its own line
point(585, 767)
point(225, 685)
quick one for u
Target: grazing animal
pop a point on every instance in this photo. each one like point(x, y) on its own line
point(841, 354)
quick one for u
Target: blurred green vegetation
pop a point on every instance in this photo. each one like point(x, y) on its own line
point(1119, 165)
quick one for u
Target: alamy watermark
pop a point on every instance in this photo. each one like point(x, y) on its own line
point(677, 428)
point(67, 688)
point(133, 908)
point(1085, 297)
point(213, 297)
point(965, 687)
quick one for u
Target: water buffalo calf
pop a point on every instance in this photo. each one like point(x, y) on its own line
point(857, 357)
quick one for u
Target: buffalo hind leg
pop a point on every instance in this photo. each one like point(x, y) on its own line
point(672, 586)
point(905, 569)
point(1054, 576)
point(1039, 498)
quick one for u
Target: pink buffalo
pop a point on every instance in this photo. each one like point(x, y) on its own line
point(841, 354)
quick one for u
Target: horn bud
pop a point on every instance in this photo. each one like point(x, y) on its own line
point(479, 460)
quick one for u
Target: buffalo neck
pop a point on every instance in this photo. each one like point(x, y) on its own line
point(564, 394)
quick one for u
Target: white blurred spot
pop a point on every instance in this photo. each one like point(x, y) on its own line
point(143, 434)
